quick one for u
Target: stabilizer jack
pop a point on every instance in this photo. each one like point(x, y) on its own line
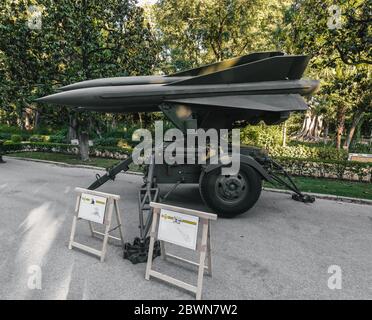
point(276, 170)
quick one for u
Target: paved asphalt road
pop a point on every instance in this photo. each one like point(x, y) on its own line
point(281, 249)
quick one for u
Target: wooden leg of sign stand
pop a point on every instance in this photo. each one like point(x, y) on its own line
point(73, 228)
point(106, 233)
point(203, 251)
point(209, 254)
point(91, 228)
point(152, 242)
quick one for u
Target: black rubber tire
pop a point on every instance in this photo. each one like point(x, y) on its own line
point(227, 209)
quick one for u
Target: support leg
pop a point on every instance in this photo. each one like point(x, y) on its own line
point(107, 229)
point(209, 254)
point(73, 228)
point(118, 219)
point(91, 228)
point(152, 241)
point(203, 249)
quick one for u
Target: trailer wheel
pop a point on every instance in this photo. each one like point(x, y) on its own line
point(229, 196)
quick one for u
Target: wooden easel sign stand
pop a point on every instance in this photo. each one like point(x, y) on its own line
point(179, 226)
point(96, 207)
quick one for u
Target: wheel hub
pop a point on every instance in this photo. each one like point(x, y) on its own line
point(231, 187)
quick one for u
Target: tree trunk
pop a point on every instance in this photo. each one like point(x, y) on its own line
point(114, 123)
point(73, 127)
point(84, 146)
point(356, 119)
point(20, 118)
point(140, 119)
point(27, 120)
point(306, 124)
point(325, 134)
point(37, 119)
point(340, 126)
point(311, 128)
point(318, 127)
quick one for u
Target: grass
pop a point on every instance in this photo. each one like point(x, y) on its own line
point(326, 186)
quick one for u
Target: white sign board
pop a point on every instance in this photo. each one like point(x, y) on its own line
point(178, 228)
point(92, 208)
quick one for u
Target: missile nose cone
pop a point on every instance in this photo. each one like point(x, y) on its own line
point(42, 99)
point(56, 98)
point(46, 99)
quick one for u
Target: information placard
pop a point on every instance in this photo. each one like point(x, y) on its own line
point(92, 208)
point(178, 228)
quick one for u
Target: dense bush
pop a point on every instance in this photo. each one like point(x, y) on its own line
point(10, 130)
point(57, 138)
point(5, 135)
point(112, 142)
point(109, 141)
point(39, 138)
point(361, 148)
point(302, 151)
point(262, 136)
point(120, 134)
point(16, 138)
point(270, 138)
point(341, 169)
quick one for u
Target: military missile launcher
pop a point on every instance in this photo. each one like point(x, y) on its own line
point(264, 86)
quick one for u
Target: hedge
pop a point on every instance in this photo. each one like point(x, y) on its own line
point(306, 152)
point(97, 151)
point(341, 169)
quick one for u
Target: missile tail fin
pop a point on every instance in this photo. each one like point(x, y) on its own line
point(268, 69)
point(226, 64)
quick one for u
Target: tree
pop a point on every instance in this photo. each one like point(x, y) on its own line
point(337, 38)
point(78, 40)
point(194, 32)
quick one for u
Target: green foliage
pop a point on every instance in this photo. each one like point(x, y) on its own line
point(5, 136)
point(303, 151)
point(262, 136)
point(78, 40)
point(361, 148)
point(16, 138)
point(340, 169)
point(110, 141)
point(57, 138)
point(340, 56)
point(193, 32)
point(270, 138)
point(39, 138)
